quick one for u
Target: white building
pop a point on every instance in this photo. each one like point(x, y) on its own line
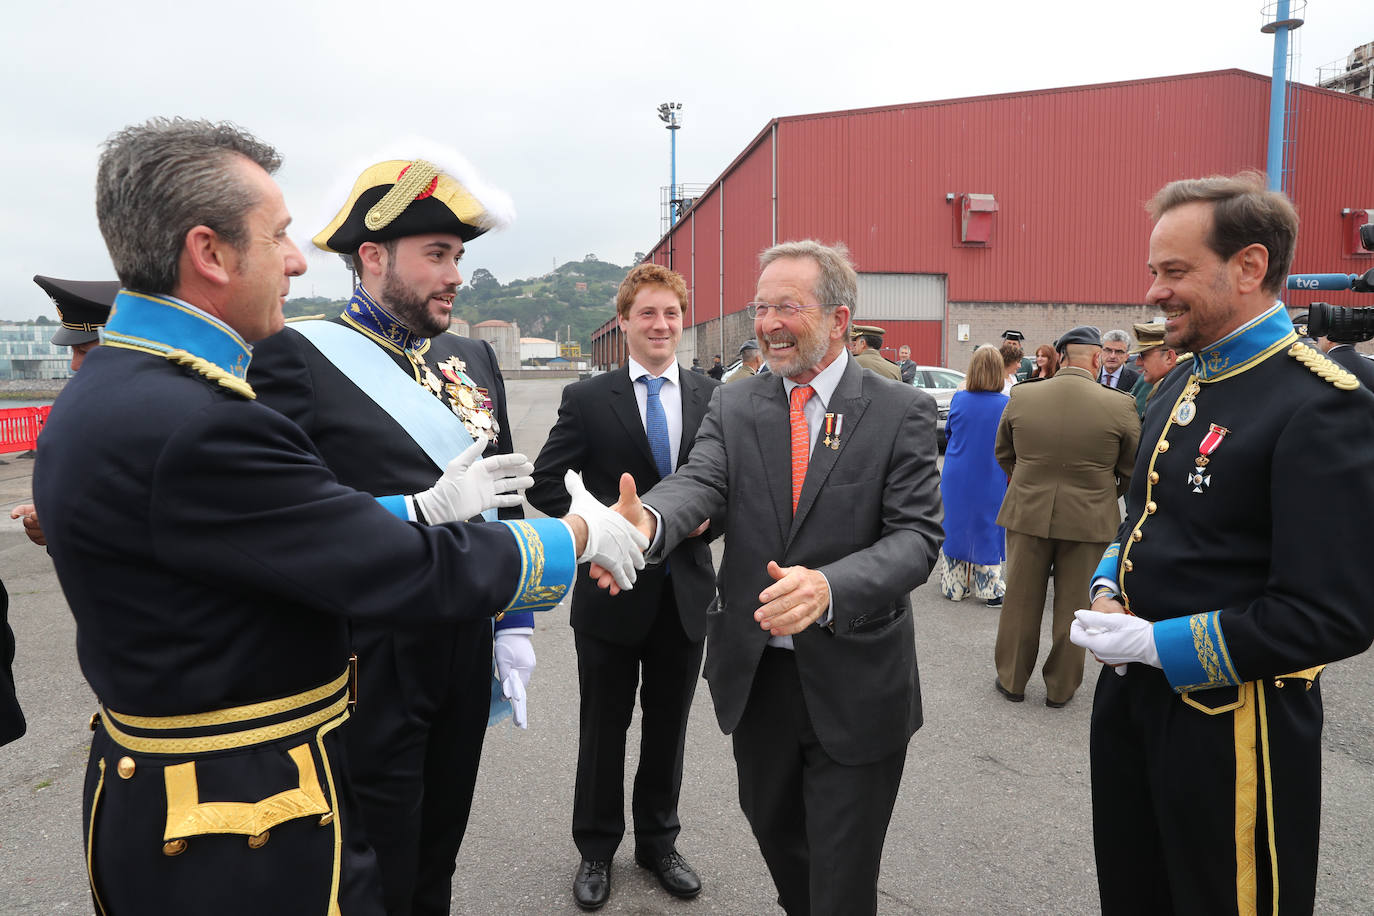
point(540, 348)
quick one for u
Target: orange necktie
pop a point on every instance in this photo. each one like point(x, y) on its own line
point(801, 439)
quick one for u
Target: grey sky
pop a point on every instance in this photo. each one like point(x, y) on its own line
point(553, 102)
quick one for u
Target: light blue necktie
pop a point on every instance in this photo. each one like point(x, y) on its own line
point(656, 426)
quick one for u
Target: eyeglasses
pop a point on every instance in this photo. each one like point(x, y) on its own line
point(1114, 350)
point(782, 310)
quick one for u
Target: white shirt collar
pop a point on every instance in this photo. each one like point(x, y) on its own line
point(825, 383)
point(637, 371)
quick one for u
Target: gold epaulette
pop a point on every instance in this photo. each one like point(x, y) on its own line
point(212, 372)
point(318, 317)
point(1322, 366)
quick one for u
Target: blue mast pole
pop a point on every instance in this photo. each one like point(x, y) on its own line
point(1277, 90)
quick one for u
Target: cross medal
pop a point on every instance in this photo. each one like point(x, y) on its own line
point(1200, 479)
point(833, 424)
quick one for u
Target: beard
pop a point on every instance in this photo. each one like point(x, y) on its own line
point(411, 306)
point(806, 354)
point(1210, 317)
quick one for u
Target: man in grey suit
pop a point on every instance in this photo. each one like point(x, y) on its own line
point(823, 479)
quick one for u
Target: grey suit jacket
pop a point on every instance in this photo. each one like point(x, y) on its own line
point(868, 518)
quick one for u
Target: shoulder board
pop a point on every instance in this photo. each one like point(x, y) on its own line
point(1125, 391)
point(1324, 367)
point(212, 372)
point(1027, 381)
point(307, 318)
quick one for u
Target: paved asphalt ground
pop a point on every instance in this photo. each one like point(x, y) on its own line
point(993, 816)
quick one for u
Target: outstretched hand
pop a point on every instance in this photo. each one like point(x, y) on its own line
point(614, 547)
point(632, 510)
point(796, 599)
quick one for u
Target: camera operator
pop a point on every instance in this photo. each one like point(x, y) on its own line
point(1349, 358)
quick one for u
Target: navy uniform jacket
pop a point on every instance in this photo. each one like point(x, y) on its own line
point(1348, 357)
point(210, 559)
point(364, 446)
point(1256, 558)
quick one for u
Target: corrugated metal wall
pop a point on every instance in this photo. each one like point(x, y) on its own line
point(1070, 169)
point(923, 337)
point(908, 296)
point(748, 222)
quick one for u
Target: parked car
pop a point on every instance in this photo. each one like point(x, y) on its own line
point(940, 383)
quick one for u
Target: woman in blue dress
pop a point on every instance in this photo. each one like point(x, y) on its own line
point(972, 486)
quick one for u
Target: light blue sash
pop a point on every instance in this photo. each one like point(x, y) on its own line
point(424, 418)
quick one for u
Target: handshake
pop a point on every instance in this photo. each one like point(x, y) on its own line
point(471, 485)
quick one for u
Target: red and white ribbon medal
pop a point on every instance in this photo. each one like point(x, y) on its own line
point(834, 423)
point(1200, 479)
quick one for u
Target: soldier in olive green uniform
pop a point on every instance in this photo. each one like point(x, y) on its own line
point(866, 343)
point(1068, 445)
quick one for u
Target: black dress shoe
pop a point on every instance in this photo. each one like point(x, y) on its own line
point(592, 886)
point(1013, 697)
point(673, 872)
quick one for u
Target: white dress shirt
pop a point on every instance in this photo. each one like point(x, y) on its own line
point(823, 386)
point(671, 397)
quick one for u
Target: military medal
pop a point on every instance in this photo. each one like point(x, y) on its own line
point(833, 424)
point(452, 368)
point(469, 401)
point(432, 381)
point(1200, 479)
point(1186, 409)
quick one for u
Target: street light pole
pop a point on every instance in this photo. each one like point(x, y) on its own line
point(668, 114)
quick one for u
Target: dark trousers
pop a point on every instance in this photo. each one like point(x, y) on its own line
point(805, 807)
point(414, 746)
point(665, 667)
point(1207, 812)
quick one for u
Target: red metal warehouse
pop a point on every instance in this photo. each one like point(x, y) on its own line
point(1025, 210)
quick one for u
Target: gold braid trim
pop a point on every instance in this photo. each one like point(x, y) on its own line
point(212, 372)
point(1325, 368)
point(402, 194)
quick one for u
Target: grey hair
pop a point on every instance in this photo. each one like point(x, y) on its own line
point(838, 283)
point(160, 179)
point(1119, 337)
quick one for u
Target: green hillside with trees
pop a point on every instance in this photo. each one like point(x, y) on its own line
point(542, 306)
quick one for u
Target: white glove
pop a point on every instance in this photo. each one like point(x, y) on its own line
point(612, 542)
point(471, 484)
point(1115, 639)
point(514, 665)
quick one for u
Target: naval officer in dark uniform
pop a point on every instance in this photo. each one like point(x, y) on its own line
point(372, 388)
point(211, 559)
point(83, 307)
point(1237, 587)
point(1344, 354)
